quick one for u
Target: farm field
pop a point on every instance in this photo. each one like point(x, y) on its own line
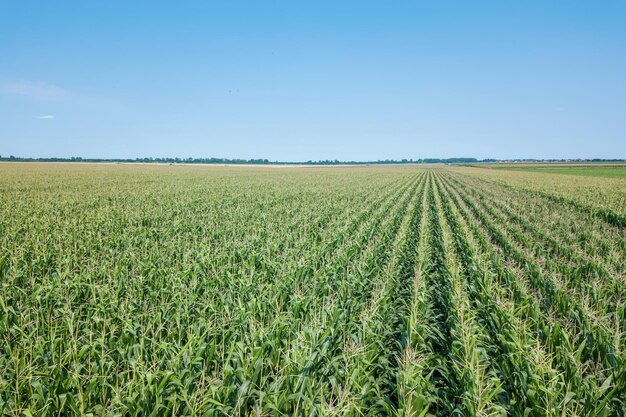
point(155, 290)
point(608, 170)
point(592, 194)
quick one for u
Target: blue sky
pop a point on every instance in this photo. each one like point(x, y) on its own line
point(351, 80)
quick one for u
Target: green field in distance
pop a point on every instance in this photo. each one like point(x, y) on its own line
point(590, 170)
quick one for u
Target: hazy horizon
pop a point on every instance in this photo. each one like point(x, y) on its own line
point(355, 81)
point(220, 160)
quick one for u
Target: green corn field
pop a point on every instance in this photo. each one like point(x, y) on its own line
point(156, 290)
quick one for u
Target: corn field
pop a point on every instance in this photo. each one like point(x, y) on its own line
point(130, 290)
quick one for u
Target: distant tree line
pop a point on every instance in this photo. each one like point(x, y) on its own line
point(12, 158)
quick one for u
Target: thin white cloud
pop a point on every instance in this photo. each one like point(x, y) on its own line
point(41, 91)
point(37, 91)
point(46, 117)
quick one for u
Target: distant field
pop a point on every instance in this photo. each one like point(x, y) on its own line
point(156, 290)
point(600, 170)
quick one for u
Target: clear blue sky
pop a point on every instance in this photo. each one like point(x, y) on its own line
point(289, 80)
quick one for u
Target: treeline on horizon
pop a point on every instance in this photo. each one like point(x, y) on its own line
point(309, 162)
